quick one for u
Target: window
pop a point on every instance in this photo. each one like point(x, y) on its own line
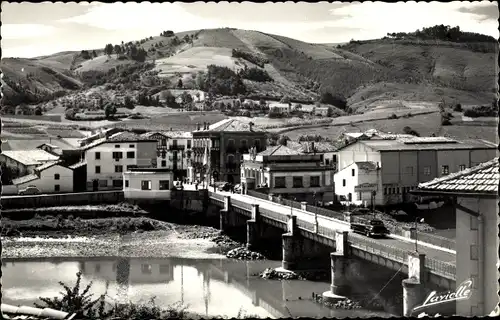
point(163, 154)
point(130, 167)
point(327, 161)
point(256, 143)
point(118, 183)
point(298, 182)
point(343, 182)
point(57, 187)
point(145, 185)
point(126, 184)
point(174, 143)
point(334, 158)
point(474, 252)
point(97, 169)
point(385, 191)
point(146, 268)
point(103, 183)
point(409, 171)
point(164, 269)
point(445, 170)
point(98, 156)
point(118, 168)
point(164, 184)
point(189, 144)
point(462, 167)
point(131, 146)
point(117, 155)
point(130, 155)
point(243, 143)
point(349, 197)
point(117, 146)
point(353, 172)
point(427, 171)
point(280, 182)
point(164, 163)
point(314, 182)
point(57, 176)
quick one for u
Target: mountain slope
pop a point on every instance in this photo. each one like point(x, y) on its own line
point(363, 72)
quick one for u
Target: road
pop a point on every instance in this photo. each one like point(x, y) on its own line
point(430, 252)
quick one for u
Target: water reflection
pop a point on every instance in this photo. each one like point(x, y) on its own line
point(207, 287)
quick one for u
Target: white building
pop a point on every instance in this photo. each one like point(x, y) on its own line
point(26, 160)
point(406, 162)
point(474, 193)
point(51, 177)
point(281, 107)
point(147, 184)
point(108, 158)
point(355, 184)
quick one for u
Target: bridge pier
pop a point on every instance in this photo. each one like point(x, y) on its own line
point(338, 259)
point(413, 287)
point(253, 228)
point(290, 246)
point(224, 214)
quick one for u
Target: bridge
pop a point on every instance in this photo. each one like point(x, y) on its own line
point(304, 232)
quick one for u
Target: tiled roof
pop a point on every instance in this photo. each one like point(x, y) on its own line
point(279, 151)
point(78, 165)
point(25, 179)
point(30, 157)
point(404, 144)
point(483, 178)
point(47, 165)
point(305, 147)
point(118, 137)
point(367, 165)
point(178, 134)
point(231, 125)
point(25, 312)
point(29, 144)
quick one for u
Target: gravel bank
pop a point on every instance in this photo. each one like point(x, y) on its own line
point(130, 237)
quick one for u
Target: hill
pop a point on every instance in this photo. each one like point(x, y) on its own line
point(361, 72)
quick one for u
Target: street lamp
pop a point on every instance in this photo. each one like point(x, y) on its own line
point(416, 232)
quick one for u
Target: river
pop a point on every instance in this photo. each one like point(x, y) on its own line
point(210, 287)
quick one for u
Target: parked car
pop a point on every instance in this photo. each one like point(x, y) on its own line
point(370, 228)
point(237, 188)
point(226, 186)
point(30, 190)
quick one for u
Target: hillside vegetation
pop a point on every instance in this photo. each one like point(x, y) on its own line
point(427, 65)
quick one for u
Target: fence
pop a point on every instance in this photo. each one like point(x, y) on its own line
point(440, 267)
point(325, 212)
point(374, 247)
point(435, 240)
point(256, 194)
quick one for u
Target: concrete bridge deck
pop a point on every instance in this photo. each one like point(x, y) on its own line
point(438, 261)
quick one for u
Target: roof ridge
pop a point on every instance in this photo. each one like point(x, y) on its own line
point(458, 174)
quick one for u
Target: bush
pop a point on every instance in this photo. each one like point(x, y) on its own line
point(255, 74)
point(409, 130)
point(223, 81)
point(260, 61)
point(393, 116)
point(338, 101)
point(457, 107)
point(446, 122)
point(481, 111)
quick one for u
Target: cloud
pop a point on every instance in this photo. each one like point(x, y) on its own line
point(23, 31)
point(482, 11)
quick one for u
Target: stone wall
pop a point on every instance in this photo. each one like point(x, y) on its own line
point(65, 199)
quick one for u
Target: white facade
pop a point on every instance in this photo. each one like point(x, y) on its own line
point(175, 152)
point(147, 185)
point(354, 175)
point(106, 162)
point(55, 179)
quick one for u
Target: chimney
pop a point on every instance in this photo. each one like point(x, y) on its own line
point(198, 126)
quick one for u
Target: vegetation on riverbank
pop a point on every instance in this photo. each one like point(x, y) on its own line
point(86, 306)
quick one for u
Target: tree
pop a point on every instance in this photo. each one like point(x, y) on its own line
point(108, 49)
point(329, 112)
point(179, 84)
point(127, 103)
point(285, 99)
point(117, 49)
point(338, 101)
point(186, 98)
point(94, 54)
point(38, 111)
point(283, 140)
point(70, 114)
point(110, 110)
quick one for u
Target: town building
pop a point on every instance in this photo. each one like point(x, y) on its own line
point(147, 184)
point(50, 177)
point(107, 158)
point(327, 149)
point(406, 162)
point(226, 141)
point(24, 162)
point(50, 148)
point(356, 183)
point(174, 151)
point(283, 171)
point(281, 108)
point(474, 194)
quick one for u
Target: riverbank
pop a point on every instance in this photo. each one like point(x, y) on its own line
point(52, 237)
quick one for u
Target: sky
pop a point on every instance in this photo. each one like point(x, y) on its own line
point(36, 29)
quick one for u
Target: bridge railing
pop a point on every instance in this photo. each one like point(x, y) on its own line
point(370, 245)
point(217, 196)
point(255, 194)
point(435, 240)
point(325, 212)
point(241, 204)
point(446, 269)
point(309, 226)
point(327, 232)
point(273, 215)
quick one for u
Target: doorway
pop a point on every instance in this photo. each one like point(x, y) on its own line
point(95, 185)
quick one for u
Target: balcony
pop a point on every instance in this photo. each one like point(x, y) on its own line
point(176, 147)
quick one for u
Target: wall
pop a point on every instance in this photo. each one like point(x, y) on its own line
point(453, 159)
point(427, 158)
point(360, 177)
point(65, 199)
point(9, 190)
point(144, 152)
point(487, 244)
point(480, 156)
point(356, 152)
point(134, 191)
point(47, 181)
point(306, 176)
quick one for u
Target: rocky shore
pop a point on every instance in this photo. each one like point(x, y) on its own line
point(242, 253)
point(281, 274)
point(49, 236)
point(346, 304)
